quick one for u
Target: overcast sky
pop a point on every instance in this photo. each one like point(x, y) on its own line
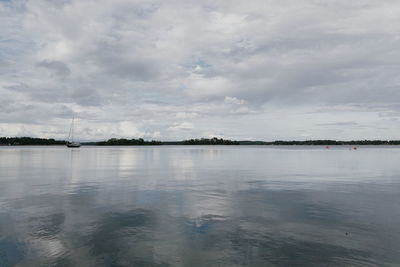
point(171, 70)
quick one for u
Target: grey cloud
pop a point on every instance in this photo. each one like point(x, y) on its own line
point(59, 68)
point(85, 96)
point(135, 69)
point(157, 64)
point(33, 113)
point(342, 123)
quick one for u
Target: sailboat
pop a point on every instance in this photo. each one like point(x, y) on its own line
point(71, 142)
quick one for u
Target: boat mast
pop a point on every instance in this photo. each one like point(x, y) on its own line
point(70, 132)
point(72, 129)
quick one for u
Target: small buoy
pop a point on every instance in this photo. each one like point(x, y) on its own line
point(354, 148)
point(347, 233)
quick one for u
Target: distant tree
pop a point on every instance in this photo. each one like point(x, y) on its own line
point(212, 141)
point(127, 142)
point(29, 141)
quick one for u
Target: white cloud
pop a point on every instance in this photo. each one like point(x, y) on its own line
point(234, 100)
point(223, 67)
point(186, 115)
point(181, 126)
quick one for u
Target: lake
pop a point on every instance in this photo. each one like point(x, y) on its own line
point(200, 206)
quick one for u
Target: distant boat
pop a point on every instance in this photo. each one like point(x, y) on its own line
point(70, 141)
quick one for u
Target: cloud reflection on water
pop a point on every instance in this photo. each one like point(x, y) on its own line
point(224, 213)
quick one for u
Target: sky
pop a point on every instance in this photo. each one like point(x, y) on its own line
point(179, 69)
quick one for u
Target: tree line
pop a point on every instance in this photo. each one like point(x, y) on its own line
point(211, 141)
point(324, 142)
point(201, 141)
point(140, 141)
point(13, 141)
point(127, 142)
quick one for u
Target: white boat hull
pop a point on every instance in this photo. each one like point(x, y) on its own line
point(73, 144)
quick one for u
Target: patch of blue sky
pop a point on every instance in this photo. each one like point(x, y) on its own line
point(193, 64)
point(202, 64)
point(6, 4)
point(11, 48)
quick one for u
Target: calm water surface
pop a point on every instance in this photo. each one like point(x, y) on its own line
point(199, 206)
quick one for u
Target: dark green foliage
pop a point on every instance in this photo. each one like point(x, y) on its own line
point(29, 141)
point(254, 143)
point(127, 142)
point(212, 141)
point(141, 142)
point(203, 141)
point(333, 142)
